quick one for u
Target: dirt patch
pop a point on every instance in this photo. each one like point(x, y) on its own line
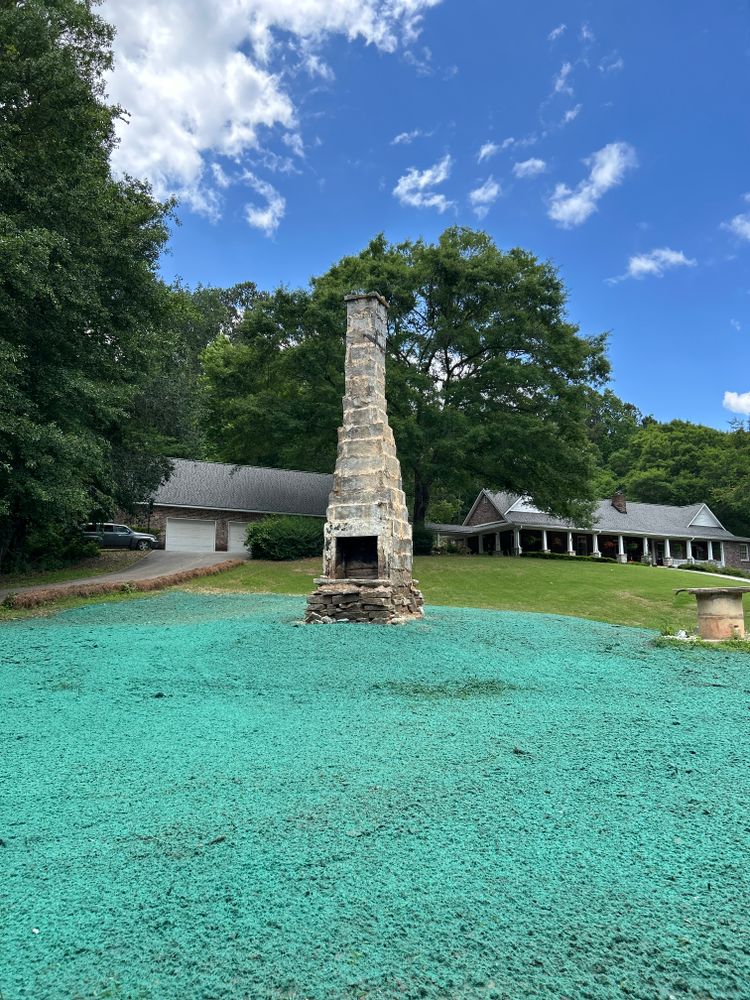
point(37, 598)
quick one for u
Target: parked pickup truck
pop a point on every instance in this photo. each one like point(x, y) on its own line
point(118, 536)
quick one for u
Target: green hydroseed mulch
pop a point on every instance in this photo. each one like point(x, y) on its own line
point(201, 800)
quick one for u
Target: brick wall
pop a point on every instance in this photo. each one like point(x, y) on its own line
point(732, 555)
point(484, 513)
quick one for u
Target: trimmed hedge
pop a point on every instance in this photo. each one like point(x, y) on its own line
point(283, 538)
point(561, 555)
point(712, 568)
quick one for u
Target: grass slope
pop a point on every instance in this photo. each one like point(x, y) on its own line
point(622, 595)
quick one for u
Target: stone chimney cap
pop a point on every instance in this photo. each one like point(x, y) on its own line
point(353, 296)
point(619, 502)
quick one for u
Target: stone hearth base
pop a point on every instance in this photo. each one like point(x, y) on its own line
point(363, 601)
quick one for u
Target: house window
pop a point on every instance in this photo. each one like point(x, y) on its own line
point(679, 550)
point(744, 552)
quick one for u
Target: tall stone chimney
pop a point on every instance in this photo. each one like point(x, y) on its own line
point(367, 550)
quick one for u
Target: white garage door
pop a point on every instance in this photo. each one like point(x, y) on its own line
point(188, 535)
point(236, 536)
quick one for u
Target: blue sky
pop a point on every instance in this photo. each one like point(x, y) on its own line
point(611, 139)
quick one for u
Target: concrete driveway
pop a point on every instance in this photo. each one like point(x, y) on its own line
point(156, 563)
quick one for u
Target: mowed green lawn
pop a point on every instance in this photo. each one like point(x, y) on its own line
point(623, 595)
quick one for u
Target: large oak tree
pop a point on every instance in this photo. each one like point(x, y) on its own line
point(487, 380)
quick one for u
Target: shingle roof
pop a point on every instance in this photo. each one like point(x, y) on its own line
point(214, 485)
point(640, 519)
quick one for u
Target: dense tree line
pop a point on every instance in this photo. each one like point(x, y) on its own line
point(99, 359)
point(81, 308)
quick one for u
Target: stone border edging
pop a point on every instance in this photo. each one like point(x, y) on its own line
point(37, 598)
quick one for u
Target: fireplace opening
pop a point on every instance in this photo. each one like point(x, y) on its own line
point(357, 558)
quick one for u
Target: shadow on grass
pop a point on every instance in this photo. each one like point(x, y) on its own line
point(473, 688)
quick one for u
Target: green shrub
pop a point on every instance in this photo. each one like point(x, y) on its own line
point(53, 547)
point(562, 555)
point(423, 541)
point(713, 568)
point(280, 538)
point(144, 529)
point(451, 549)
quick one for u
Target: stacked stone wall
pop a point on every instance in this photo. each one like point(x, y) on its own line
point(358, 601)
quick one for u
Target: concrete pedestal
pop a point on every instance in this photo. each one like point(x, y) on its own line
point(720, 612)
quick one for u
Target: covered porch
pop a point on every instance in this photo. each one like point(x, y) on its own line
point(623, 548)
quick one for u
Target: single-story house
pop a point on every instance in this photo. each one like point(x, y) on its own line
point(206, 506)
point(509, 524)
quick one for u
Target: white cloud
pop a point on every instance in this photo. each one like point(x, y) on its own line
point(489, 149)
point(197, 77)
point(612, 63)
point(556, 32)
point(608, 166)
point(406, 138)
point(422, 64)
point(275, 163)
point(740, 224)
point(735, 324)
point(655, 263)
point(415, 187)
point(587, 35)
point(737, 402)
point(485, 195)
point(560, 84)
point(570, 115)
point(220, 177)
point(529, 168)
point(293, 140)
point(264, 217)
point(315, 66)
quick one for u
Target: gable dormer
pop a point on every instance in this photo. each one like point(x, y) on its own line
point(484, 511)
point(705, 518)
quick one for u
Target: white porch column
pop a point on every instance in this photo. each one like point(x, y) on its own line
point(645, 548)
point(667, 552)
point(480, 544)
point(571, 550)
point(595, 550)
point(689, 550)
point(497, 543)
point(721, 553)
point(621, 557)
point(517, 541)
point(710, 551)
point(545, 548)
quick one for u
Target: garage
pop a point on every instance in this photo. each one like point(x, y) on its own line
point(190, 535)
point(236, 536)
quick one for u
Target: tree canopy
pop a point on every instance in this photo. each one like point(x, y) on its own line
point(487, 380)
point(81, 306)
point(683, 463)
